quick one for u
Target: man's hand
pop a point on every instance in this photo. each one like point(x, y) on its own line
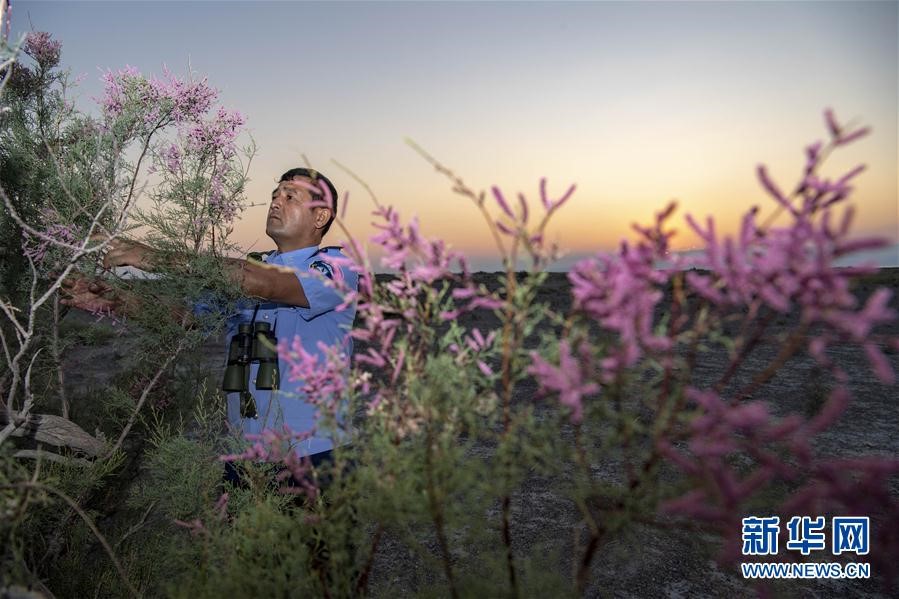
point(124, 252)
point(92, 295)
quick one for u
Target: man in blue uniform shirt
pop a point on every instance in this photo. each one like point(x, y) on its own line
point(308, 310)
point(318, 322)
point(296, 299)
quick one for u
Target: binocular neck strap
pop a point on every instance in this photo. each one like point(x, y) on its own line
point(256, 311)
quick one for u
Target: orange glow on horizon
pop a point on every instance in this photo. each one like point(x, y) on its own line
point(603, 208)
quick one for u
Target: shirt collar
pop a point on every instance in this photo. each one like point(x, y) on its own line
point(294, 256)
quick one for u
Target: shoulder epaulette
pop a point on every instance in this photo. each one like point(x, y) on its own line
point(326, 248)
point(257, 256)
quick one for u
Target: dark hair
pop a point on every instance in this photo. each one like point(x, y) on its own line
point(316, 177)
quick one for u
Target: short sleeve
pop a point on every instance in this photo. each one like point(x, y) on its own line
point(318, 286)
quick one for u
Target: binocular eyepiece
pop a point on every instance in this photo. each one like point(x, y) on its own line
point(252, 343)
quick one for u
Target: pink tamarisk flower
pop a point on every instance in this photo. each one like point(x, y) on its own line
point(322, 196)
point(515, 225)
point(115, 89)
point(772, 188)
point(570, 379)
point(474, 344)
point(171, 156)
point(406, 250)
point(324, 373)
point(216, 135)
point(190, 100)
point(620, 291)
point(720, 431)
point(276, 447)
point(41, 46)
point(786, 264)
point(56, 234)
point(839, 135)
point(168, 100)
point(553, 205)
point(501, 200)
point(523, 205)
point(477, 342)
point(477, 298)
point(794, 265)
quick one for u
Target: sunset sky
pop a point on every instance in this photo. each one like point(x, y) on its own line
point(637, 103)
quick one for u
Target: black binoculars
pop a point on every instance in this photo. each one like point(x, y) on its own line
point(252, 343)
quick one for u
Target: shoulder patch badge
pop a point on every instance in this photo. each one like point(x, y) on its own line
point(323, 267)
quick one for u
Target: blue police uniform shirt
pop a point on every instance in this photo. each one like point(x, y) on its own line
point(320, 322)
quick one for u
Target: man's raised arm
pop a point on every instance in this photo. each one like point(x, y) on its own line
point(270, 282)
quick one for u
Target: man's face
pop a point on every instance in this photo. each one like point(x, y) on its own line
point(290, 216)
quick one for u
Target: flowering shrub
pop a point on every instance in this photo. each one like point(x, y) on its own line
point(461, 391)
point(200, 175)
point(429, 386)
point(69, 185)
